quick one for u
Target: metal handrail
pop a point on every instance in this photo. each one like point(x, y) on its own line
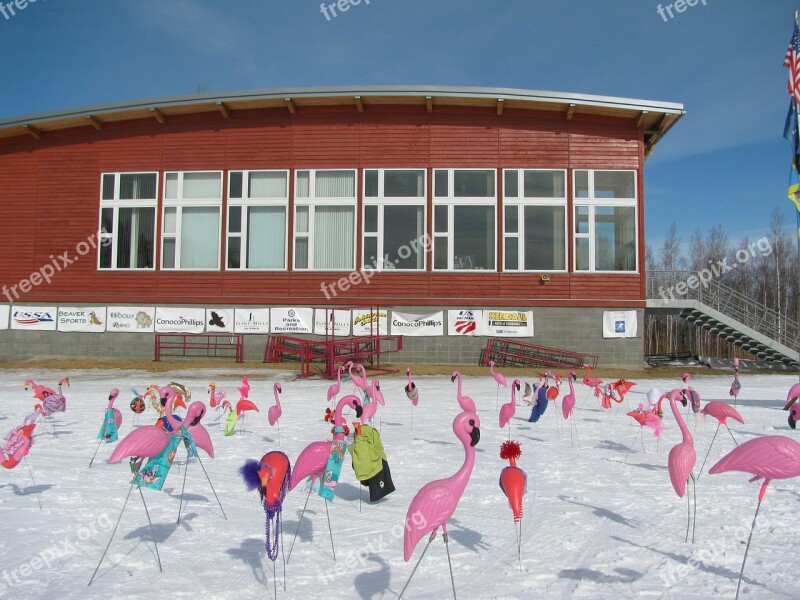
point(685, 285)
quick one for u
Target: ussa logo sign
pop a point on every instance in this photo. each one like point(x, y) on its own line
point(22, 317)
point(466, 322)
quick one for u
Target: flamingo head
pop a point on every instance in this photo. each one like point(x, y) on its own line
point(686, 377)
point(113, 395)
point(277, 388)
point(680, 396)
point(491, 364)
point(454, 376)
point(516, 384)
point(353, 402)
point(212, 387)
point(197, 410)
point(794, 416)
point(64, 381)
point(467, 427)
point(573, 375)
point(269, 476)
point(408, 370)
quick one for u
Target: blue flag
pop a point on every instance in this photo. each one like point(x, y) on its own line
point(790, 132)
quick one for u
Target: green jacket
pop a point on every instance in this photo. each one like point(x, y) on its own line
point(367, 453)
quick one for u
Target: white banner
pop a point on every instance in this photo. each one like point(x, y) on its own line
point(417, 325)
point(291, 320)
point(90, 319)
point(332, 321)
point(180, 320)
point(370, 322)
point(131, 319)
point(5, 311)
point(219, 320)
point(34, 318)
point(251, 320)
point(508, 323)
point(619, 324)
point(464, 322)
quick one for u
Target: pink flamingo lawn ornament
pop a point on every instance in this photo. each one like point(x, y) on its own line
point(112, 421)
point(507, 410)
point(359, 382)
point(501, 382)
point(336, 386)
point(313, 459)
point(375, 397)
point(736, 386)
point(794, 416)
point(17, 445)
point(412, 393)
point(568, 406)
point(242, 406)
point(215, 400)
point(645, 418)
point(456, 376)
point(721, 412)
point(682, 458)
point(437, 500)
point(769, 457)
point(274, 413)
point(791, 398)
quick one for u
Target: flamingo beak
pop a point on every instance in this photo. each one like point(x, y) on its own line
point(265, 474)
point(792, 421)
point(359, 411)
point(475, 436)
point(452, 379)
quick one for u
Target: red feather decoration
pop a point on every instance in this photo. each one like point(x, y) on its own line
point(510, 449)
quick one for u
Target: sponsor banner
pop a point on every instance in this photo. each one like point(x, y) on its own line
point(464, 322)
point(508, 323)
point(332, 321)
point(619, 324)
point(34, 318)
point(5, 311)
point(417, 325)
point(180, 320)
point(291, 320)
point(91, 319)
point(219, 320)
point(251, 320)
point(131, 319)
point(370, 322)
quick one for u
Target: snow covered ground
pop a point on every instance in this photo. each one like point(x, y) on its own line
point(601, 519)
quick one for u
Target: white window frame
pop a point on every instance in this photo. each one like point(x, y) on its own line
point(311, 202)
point(115, 204)
point(451, 201)
point(381, 201)
point(179, 204)
point(246, 202)
point(520, 202)
point(592, 203)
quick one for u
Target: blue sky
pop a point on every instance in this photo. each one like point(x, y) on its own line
point(725, 163)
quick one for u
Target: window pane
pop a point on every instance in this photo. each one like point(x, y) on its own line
point(303, 184)
point(137, 186)
point(371, 183)
point(234, 252)
point(200, 237)
point(170, 220)
point(371, 251)
point(581, 184)
point(171, 188)
point(581, 254)
point(511, 254)
point(334, 237)
point(581, 219)
point(266, 237)
point(473, 237)
point(108, 187)
point(235, 178)
point(615, 240)
point(512, 219)
point(545, 232)
point(403, 227)
point(614, 184)
point(168, 258)
point(301, 219)
point(440, 185)
point(371, 219)
point(135, 241)
point(301, 253)
point(234, 219)
point(106, 225)
point(335, 184)
point(544, 184)
point(440, 252)
point(473, 184)
point(404, 184)
point(440, 219)
point(267, 184)
point(202, 185)
point(511, 184)
point(107, 220)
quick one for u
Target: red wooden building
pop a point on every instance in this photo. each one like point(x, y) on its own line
point(411, 198)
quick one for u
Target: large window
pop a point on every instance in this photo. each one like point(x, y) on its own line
point(324, 219)
point(191, 223)
point(534, 220)
point(394, 219)
point(605, 220)
point(127, 220)
point(464, 205)
point(257, 205)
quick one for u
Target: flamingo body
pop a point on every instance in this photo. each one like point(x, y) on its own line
point(498, 377)
point(721, 412)
point(769, 457)
point(411, 389)
point(245, 405)
point(20, 439)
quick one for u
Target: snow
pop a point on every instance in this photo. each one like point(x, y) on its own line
point(601, 519)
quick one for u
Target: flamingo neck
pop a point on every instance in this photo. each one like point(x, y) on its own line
point(458, 389)
point(461, 477)
point(687, 437)
point(571, 388)
point(277, 397)
point(173, 422)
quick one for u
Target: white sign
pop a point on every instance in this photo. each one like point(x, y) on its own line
point(219, 320)
point(131, 319)
point(251, 320)
point(417, 325)
point(34, 318)
point(291, 320)
point(5, 311)
point(508, 323)
point(619, 324)
point(332, 321)
point(180, 320)
point(370, 322)
point(464, 322)
point(90, 319)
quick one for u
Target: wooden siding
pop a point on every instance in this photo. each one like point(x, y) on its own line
point(49, 197)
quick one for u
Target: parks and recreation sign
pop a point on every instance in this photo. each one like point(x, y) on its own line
point(291, 320)
point(91, 319)
point(131, 319)
point(507, 323)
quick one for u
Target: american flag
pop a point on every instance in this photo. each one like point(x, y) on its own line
point(792, 61)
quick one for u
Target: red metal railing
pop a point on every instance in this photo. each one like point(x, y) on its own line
point(505, 352)
point(212, 345)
